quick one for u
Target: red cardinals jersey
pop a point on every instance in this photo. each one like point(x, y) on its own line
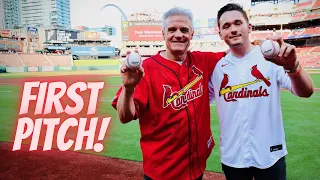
point(247, 94)
point(172, 105)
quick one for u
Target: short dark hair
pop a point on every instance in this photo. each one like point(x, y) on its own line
point(232, 7)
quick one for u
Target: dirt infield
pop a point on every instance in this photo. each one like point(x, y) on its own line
point(56, 164)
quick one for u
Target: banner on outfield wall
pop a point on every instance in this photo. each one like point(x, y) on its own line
point(142, 31)
point(64, 68)
point(15, 69)
point(109, 68)
point(33, 69)
point(47, 68)
point(93, 51)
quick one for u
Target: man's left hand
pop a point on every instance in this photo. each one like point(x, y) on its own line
point(287, 56)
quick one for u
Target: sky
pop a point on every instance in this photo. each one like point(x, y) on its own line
point(87, 12)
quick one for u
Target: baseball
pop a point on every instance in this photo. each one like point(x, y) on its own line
point(270, 48)
point(133, 60)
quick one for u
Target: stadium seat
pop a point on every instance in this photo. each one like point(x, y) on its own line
point(304, 5)
point(312, 16)
point(261, 35)
point(9, 60)
point(315, 49)
point(32, 60)
point(309, 56)
point(298, 17)
point(316, 4)
point(312, 31)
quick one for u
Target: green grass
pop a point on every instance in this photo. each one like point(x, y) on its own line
point(8, 111)
point(316, 80)
point(122, 140)
point(302, 127)
point(301, 119)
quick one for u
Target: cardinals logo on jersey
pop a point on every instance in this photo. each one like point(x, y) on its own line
point(257, 74)
point(180, 99)
point(231, 95)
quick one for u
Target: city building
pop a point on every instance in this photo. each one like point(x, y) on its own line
point(110, 30)
point(11, 12)
point(43, 12)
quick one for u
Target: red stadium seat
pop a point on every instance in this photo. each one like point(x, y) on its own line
point(316, 49)
point(284, 35)
point(312, 16)
point(260, 35)
point(32, 60)
point(316, 4)
point(298, 17)
point(309, 56)
point(297, 32)
point(304, 5)
point(312, 31)
point(10, 60)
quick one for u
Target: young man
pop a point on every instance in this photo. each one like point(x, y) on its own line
point(168, 95)
point(246, 87)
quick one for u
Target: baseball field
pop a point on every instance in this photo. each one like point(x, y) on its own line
point(301, 120)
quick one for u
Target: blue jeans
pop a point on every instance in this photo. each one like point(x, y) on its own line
point(275, 172)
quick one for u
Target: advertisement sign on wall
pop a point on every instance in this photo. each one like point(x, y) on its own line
point(60, 35)
point(142, 31)
point(93, 51)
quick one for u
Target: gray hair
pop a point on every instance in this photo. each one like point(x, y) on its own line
point(177, 11)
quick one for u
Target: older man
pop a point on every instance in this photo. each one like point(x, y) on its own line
point(169, 95)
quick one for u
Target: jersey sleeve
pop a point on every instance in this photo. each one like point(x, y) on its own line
point(140, 97)
point(213, 58)
point(282, 78)
point(211, 89)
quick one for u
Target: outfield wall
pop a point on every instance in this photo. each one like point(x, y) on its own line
point(60, 68)
point(79, 65)
point(76, 68)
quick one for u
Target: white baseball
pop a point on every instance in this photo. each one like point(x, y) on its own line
point(270, 48)
point(133, 60)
